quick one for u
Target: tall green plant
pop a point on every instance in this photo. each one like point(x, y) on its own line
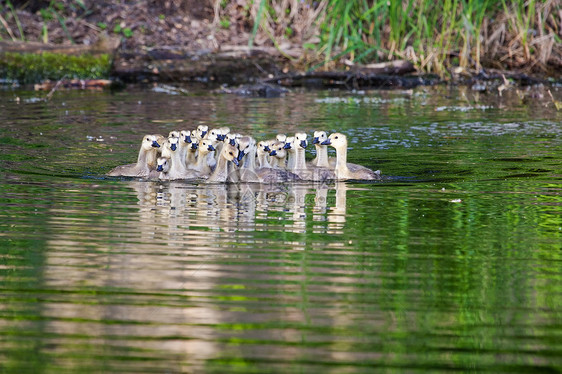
point(16, 18)
point(354, 26)
point(257, 23)
point(523, 13)
point(433, 34)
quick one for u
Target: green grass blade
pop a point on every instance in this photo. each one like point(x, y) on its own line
point(257, 23)
point(16, 18)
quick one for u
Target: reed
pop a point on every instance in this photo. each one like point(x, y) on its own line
point(434, 35)
point(14, 15)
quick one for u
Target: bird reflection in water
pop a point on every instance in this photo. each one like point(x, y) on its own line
point(186, 209)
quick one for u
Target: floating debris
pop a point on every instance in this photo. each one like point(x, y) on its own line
point(557, 104)
point(167, 120)
point(93, 138)
point(33, 100)
point(462, 108)
point(170, 90)
point(358, 100)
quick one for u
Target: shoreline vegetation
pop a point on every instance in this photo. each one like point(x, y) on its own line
point(241, 41)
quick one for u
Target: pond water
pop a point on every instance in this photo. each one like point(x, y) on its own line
point(454, 263)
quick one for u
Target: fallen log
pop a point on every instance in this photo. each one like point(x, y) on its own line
point(398, 67)
point(230, 66)
point(351, 80)
point(73, 83)
point(105, 45)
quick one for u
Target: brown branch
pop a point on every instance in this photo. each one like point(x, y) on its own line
point(7, 27)
point(50, 94)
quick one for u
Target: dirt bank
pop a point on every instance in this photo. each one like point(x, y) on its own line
point(206, 41)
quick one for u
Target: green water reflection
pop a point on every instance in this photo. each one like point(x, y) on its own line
point(453, 264)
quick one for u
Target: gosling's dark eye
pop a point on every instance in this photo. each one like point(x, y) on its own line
point(230, 153)
point(336, 137)
point(147, 139)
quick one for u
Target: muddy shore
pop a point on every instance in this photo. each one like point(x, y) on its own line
point(256, 70)
point(177, 42)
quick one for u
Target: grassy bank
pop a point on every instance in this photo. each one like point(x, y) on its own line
point(434, 35)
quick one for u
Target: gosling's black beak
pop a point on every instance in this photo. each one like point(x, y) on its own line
point(188, 139)
point(159, 168)
point(203, 133)
point(235, 160)
point(326, 142)
point(287, 146)
point(266, 148)
point(155, 144)
point(193, 145)
point(211, 148)
point(240, 155)
point(173, 147)
point(304, 144)
point(232, 142)
point(273, 153)
point(221, 137)
point(315, 140)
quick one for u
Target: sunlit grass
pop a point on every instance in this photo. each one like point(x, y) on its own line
point(31, 68)
point(434, 35)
